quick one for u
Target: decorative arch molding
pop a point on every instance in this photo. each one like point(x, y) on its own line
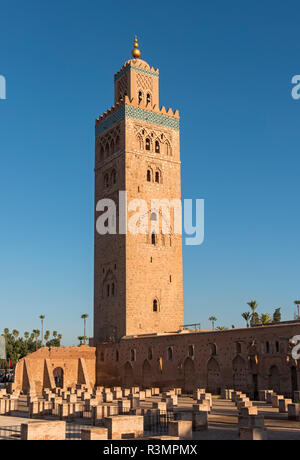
point(239, 373)
point(128, 374)
point(214, 382)
point(160, 143)
point(147, 373)
point(109, 285)
point(189, 375)
point(108, 144)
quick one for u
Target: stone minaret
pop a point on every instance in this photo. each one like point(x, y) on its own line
point(138, 278)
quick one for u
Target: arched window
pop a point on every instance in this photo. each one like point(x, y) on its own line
point(277, 347)
point(150, 354)
point(148, 175)
point(238, 347)
point(170, 353)
point(113, 177)
point(108, 290)
point(117, 142)
point(107, 149)
point(117, 355)
point(153, 238)
point(148, 144)
point(157, 177)
point(140, 97)
point(153, 217)
point(106, 181)
point(132, 355)
point(113, 289)
point(191, 351)
point(155, 305)
point(102, 356)
point(148, 98)
point(267, 347)
point(157, 147)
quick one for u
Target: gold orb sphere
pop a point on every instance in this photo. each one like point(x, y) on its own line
point(136, 53)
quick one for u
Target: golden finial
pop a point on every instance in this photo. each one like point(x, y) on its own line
point(136, 53)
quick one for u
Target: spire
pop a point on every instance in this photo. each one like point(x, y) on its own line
point(136, 53)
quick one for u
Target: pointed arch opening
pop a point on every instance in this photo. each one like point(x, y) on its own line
point(147, 373)
point(155, 305)
point(213, 376)
point(148, 144)
point(170, 354)
point(239, 374)
point(58, 375)
point(189, 375)
point(157, 147)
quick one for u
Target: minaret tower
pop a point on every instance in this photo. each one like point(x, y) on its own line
point(138, 277)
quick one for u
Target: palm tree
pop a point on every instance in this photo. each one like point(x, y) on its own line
point(54, 334)
point(42, 317)
point(246, 316)
point(46, 336)
point(297, 303)
point(221, 328)
point(15, 333)
point(213, 319)
point(26, 335)
point(84, 317)
point(59, 337)
point(80, 338)
point(6, 331)
point(36, 334)
point(253, 305)
point(265, 318)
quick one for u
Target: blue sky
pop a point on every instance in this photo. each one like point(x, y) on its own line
point(227, 66)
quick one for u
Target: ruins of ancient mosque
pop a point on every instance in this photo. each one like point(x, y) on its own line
point(139, 334)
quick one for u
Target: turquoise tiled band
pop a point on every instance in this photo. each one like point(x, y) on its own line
point(137, 114)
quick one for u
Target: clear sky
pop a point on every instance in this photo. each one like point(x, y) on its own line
point(227, 66)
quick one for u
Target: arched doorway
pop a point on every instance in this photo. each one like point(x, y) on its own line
point(128, 375)
point(239, 371)
point(213, 376)
point(274, 379)
point(147, 375)
point(189, 375)
point(58, 375)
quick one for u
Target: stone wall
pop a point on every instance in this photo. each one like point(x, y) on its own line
point(244, 359)
point(73, 365)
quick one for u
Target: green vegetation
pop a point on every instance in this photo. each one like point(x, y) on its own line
point(213, 319)
point(264, 318)
point(84, 317)
point(18, 347)
point(277, 316)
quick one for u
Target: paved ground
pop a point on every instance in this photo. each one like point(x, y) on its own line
point(222, 420)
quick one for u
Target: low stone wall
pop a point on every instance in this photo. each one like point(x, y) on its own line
point(43, 431)
point(74, 365)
